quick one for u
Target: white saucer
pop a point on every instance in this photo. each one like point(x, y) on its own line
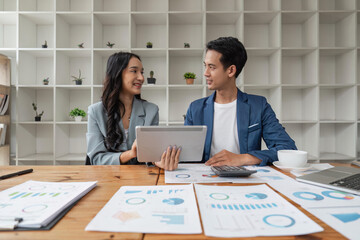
point(278, 164)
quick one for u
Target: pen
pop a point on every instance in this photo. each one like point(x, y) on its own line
point(16, 174)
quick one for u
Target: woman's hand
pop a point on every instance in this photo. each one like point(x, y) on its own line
point(127, 155)
point(169, 159)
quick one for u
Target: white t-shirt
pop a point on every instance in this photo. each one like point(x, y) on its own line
point(225, 131)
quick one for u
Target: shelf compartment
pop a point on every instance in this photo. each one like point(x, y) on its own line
point(185, 5)
point(35, 66)
point(272, 95)
point(185, 28)
point(262, 30)
point(334, 141)
point(337, 67)
point(35, 142)
point(97, 93)
point(113, 28)
point(335, 5)
point(148, 27)
point(337, 104)
point(261, 5)
point(299, 66)
point(149, 5)
point(299, 30)
point(36, 5)
point(111, 5)
point(100, 62)
point(180, 100)
point(8, 5)
point(299, 104)
point(298, 5)
point(68, 63)
point(305, 136)
point(73, 29)
point(8, 30)
point(337, 29)
point(157, 96)
point(35, 29)
point(224, 5)
point(74, 5)
point(154, 61)
point(178, 65)
point(68, 99)
point(262, 68)
point(223, 24)
point(44, 98)
point(70, 142)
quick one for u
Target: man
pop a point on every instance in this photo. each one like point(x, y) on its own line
point(235, 121)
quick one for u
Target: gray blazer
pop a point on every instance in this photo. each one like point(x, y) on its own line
point(143, 114)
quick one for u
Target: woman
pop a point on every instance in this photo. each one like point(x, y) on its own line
point(112, 122)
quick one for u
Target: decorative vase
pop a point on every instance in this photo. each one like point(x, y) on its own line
point(78, 118)
point(148, 46)
point(37, 119)
point(46, 82)
point(189, 81)
point(151, 80)
point(78, 82)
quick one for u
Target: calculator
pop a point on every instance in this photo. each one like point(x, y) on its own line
point(232, 171)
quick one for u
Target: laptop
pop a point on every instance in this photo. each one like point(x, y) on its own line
point(340, 178)
point(152, 141)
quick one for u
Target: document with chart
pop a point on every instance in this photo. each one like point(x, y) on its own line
point(149, 209)
point(311, 196)
point(248, 211)
point(38, 203)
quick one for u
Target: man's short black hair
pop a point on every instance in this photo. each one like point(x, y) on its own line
point(232, 50)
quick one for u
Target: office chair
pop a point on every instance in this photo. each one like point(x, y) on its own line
point(87, 160)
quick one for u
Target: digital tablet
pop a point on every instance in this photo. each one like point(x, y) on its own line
point(152, 141)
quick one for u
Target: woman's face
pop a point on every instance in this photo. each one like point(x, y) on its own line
point(133, 77)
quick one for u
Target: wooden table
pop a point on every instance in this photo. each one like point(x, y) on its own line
point(110, 179)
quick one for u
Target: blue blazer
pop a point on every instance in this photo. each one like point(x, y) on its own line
point(143, 114)
point(255, 120)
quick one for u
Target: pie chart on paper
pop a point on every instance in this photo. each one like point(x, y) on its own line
point(173, 201)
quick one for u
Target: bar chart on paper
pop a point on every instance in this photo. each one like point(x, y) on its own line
point(249, 211)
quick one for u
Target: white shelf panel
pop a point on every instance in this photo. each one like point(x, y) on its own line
point(331, 5)
point(112, 5)
point(157, 95)
point(185, 5)
point(74, 5)
point(298, 5)
point(300, 104)
point(37, 157)
point(72, 157)
point(8, 5)
point(8, 22)
point(149, 6)
point(70, 139)
point(224, 5)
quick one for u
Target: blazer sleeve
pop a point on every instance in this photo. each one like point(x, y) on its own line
point(274, 135)
point(188, 118)
point(96, 149)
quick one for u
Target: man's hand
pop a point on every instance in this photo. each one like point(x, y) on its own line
point(169, 159)
point(225, 157)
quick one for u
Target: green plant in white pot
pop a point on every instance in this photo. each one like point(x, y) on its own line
point(77, 114)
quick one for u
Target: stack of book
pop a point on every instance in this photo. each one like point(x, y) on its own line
point(4, 103)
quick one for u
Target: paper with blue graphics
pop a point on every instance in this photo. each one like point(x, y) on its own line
point(200, 173)
point(249, 211)
point(345, 220)
point(311, 196)
point(150, 209)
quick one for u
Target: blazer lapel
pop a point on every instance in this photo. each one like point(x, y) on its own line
point(242, 116)
point(209, 122)
point(137, 118)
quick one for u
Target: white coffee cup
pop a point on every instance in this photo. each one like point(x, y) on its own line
point(292, 158)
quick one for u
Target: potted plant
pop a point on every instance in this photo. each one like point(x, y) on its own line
point(78, 80)
point(81, 45)
point(44, 45)
point(186, 45)
point(190, 76)
point(37, 116)
point(46, 81)
point(151, 79)
point(110, 45)
point(149, 45)
point(77, 114)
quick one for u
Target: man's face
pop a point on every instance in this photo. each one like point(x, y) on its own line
point(216, 76)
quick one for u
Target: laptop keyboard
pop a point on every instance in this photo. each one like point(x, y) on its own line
point(352, 182)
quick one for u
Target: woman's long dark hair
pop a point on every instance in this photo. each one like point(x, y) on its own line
point(110, 98)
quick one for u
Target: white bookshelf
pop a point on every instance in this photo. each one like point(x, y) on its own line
point(303, 56)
